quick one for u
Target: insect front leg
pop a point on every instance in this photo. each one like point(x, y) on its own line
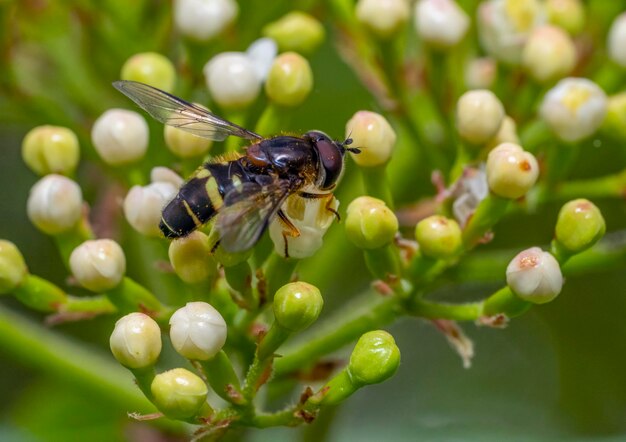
point(329, 201)
point(289, 230)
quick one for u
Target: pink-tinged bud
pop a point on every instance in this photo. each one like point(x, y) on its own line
point(549, 54)
point(535, 276)
point(373, 134)
point(511, 171)
point(480, 73)
point(440, 23)
point(616, 41)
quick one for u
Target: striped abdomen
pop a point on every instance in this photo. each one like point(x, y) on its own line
point(199, 199)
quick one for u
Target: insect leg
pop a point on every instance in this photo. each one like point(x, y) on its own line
point(313, 196)
point(288, 230)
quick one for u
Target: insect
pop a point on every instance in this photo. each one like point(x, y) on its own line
point(244, 194)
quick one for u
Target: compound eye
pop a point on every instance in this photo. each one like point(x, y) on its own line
point(331, 160)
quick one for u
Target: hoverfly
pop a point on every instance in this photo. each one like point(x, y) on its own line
point(245, 193)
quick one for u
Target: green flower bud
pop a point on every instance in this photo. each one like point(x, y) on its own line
point(150, 68)
point(373, 134)
point(615, 122)
point(51, 149)
point(136, 341)
point(191, 258)
point(511, 171)
point(375, 358)
point(579, 226)
point(178, 393)
point(535, 276)
point(479, 115)
point(438, 237)
point(384, 18)
point(297, 305)
point(370, 224)
point(98, 265)
point(184, 144)
point(290, 80)
point(297, 32)
point(13, 269)
point(568, 14)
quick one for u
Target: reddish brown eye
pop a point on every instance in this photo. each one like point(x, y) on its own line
point(331, 160)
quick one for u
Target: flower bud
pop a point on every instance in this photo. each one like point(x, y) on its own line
point(136, 341)
point(55, 204)
point(438, 237)
point(574, 108)
point(312, 218)
point(615, 122)
point(535, 276)
point(385, 18)
point(375, 358)
point(202, 20)
point(370, 224)
point(567, 14)
point(479, 115)
point(296, 31)
point(197, 331)
point(232, 80)
point(98, 265)
point(504, 25)
point(143, 206)
point(579, 226)
point(511, 171)
point(191, 258)
point(506, 134)
point(178, 393)
point(480, 73)
point(51, 149)
point(616, 41)
point(290, 80)
point(13, 269)
point(184, 144)
point(161, 174)
point(373, 134)
point(120, 136)
point(297, 305)
point(549, 54)
point(440, 23)
point(150, 68)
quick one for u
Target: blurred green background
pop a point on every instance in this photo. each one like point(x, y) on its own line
point(556, 373)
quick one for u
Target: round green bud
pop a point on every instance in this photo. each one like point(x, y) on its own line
point(375, 358)
point(13, 269)
point(438, 237)
point(184, 144)
point(567, 14)
point(150, 68)
point(290, 79)
point(579, 226)
point(191, 258)
point(51, 149)
point(297, 305)
point(370, 224)
point(615, 121)
point(178, 393)
point(549, 54)
point(136, 341)
point(297, 32)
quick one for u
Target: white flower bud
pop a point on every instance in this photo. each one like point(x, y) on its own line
point(98, 265)
point(197, 331)
point(232, 79)
point(262, 53)
point(143, 206)
point(55, 204)
point(535, 276)
point(479, 115)
point(480, 73)
point(373, 134)
point(549, 54)
point(383, 17)
point(616, 41)
point(120, 136)
point(161, 174)
point(136, 341)
point(204, 19)
point(441, 23)
point(511, 171)
point(574, 108)
point(504, 25)
point(311, 217)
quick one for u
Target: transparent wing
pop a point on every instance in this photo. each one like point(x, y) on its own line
point(247, 212)
point(179, 113)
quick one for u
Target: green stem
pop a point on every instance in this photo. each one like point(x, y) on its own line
point(273, 119)
point(456, 312)
point(505, 302)
point(274, 338)
point(278, 272)
point(487, 214)
point(40, 294)
point(143, 379)
point(376, 184)
point(383, 263)
point(222, 377)
point(129, 296)
point(97, 304)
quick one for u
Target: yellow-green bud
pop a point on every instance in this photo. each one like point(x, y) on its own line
point(297, 305)
point(615, 121)
point(535, 276)
point(373, 135)
point(297, 32)
point(184, 144)
point(479, 114)
point(150, 68)
point(438, 237)
point(579, 226)
point(385, 18)
point(136, 341)
point(13, 269)
point(370, 224)
point(375, 358)
point(191, 258)
point(511, 171)
point(178, 393)
point(98, 265)
point(290, 79)
point(549, 54)
point(506, 134)
point(568, 14)
point(51, 149)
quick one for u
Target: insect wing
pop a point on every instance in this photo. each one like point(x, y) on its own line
point(173, 111)
point(246, 213)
